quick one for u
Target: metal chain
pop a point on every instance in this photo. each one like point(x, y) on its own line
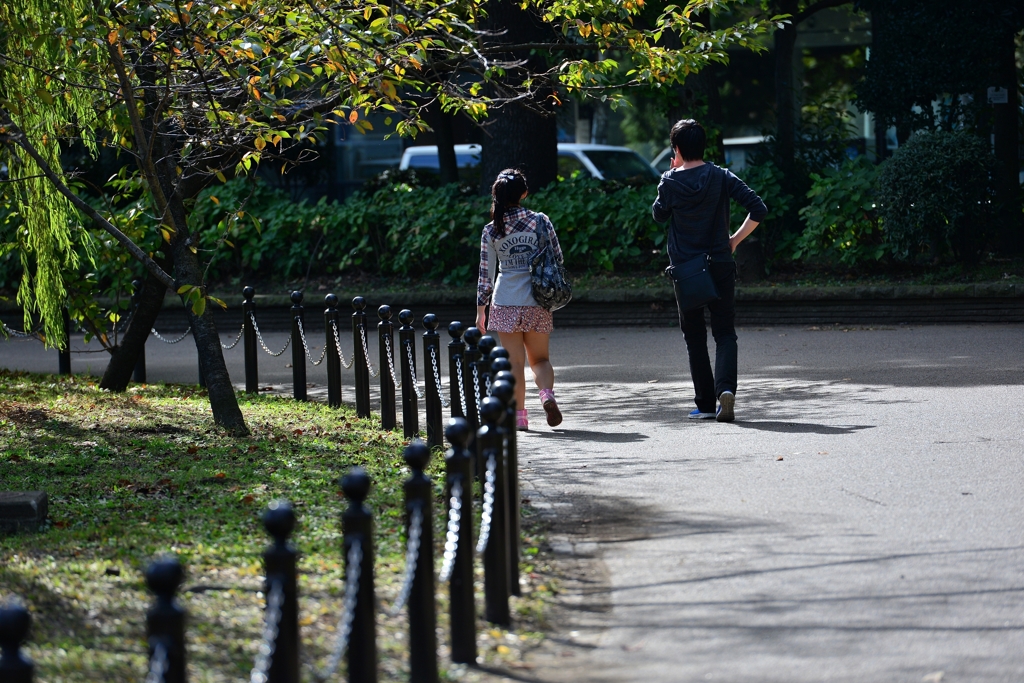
point(412, 371)
point(158, 665)
point(302, 336)
point(337, 345)
point(488, 511)
point(16, 333)
point(476, 385)
point(391, 361)
point(437, 378)
point(169, 341)
point(125, 322)
point(270, 630)
point(237, 339)
point(348, 612)
point(259, 336)
point(412, 556)
point(487, 384)
point(462, 384)
point(366, 353)
point(451, 542)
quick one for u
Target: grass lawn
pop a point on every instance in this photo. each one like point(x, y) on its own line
point(130, 476)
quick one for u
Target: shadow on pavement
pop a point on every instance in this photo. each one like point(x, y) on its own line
point(799, 427)
point(598, 437)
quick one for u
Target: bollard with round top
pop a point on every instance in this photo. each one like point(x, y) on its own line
point(469, 359)
point(456, 369)
point(280, 561)
point(461, 602)
point(357, 527)
point(407, 356)
point(486, 344)
point(252, 379)
point(165, 621)
point(331, 351)
point(503, 389)
point(432, 362)
point(139, 374)
point(419, 495)
point(360, 368)
point(496, 555)
point(385, 353)
point(15, 667)
point(298, 353)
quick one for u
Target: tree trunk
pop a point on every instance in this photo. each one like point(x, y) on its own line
point(785, 92)
point(122, 361)
point(516, 135)
point(702, 85)
point(1007, 142)
point(443, 131)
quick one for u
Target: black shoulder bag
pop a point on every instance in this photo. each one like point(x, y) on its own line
point(692, 279)
point(551, 286)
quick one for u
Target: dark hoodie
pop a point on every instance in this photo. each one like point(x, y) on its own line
point(697, 202)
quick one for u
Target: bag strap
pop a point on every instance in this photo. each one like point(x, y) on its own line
point(543, 239)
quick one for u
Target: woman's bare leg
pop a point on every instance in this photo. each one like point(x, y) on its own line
point(537, 352)
point(513, 343)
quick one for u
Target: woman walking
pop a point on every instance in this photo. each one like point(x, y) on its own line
point(508, 245)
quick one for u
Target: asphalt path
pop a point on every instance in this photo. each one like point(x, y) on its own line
point(860, 521)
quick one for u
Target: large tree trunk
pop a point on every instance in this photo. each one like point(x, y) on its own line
point(445, 135)
point(1007, 142)
point(785, 91)
point(122, 361)
point(517, 135)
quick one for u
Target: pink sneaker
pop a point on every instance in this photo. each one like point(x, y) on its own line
point(547, 399)
point(522, 424)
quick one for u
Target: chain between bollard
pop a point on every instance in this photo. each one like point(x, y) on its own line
point(437, 378)
point(412, 554)
point(305, 346)
point(488, 511)
point(487, 384)
point(158, 666)
point(259, 336)
point(170, 341)
point(451, 542)
point(233, 344)
point(270, 629)
point(366, 353)
point(462, 384)
point(412, 372)
point(341, 354)
point(17, 333)
point(391, 362)
point(348, 612)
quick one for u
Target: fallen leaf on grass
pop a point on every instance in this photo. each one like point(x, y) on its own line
point(192, 450)
point(252, 449)
point(248, 499)
point(220, 475)
point(297, 432)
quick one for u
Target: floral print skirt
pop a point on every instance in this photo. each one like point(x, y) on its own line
point(520, 319)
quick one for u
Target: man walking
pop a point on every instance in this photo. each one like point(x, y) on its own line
point(694, 197)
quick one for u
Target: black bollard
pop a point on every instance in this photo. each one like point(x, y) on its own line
point(461, 603)
point(331, 338)
point(165, 621)
point(386, 357)
point(64, 353)
point(139, 374)
point(503, 389)
point(298, 348)
point(407, 352)
point(357, 527)
point(486, 344)
point(15, 667)
point(252, 379)
point(496, 583)
point(469, 358)
point(360, 368)
point(432, 373)
point(456, 371)
point(279, 561)
point(419, 496)
point(496, 353)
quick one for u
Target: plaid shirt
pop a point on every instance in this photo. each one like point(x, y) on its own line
point(514, 264)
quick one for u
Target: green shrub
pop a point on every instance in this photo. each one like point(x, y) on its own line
point(936, 196)
point(842, 223)
point(764, 178)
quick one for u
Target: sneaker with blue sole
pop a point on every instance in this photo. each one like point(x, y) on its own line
point(726, 405)
point(697, 415)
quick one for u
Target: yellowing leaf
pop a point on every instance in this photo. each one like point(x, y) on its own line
point(353, 116)
point(44, 95)
point(220, 177)
point(214, 200)
point(112, 37)
point(184, 288)
point(260, 143)
point(166, 234)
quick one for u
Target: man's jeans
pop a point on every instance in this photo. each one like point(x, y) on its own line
point(708, 386)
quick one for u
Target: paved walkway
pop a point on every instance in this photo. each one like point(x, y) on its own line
point(860, 521)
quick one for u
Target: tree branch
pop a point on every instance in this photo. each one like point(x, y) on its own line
point(817, 7)
point(19, 138)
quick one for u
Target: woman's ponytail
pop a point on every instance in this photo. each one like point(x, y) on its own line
point(507, 190)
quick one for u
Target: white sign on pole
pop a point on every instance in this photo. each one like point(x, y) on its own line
point(998, 95)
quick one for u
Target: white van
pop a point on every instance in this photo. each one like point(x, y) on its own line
point(603, 162)
point(736, 152)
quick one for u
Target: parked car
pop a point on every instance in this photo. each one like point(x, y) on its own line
point(603, 162)
point(736, 151)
